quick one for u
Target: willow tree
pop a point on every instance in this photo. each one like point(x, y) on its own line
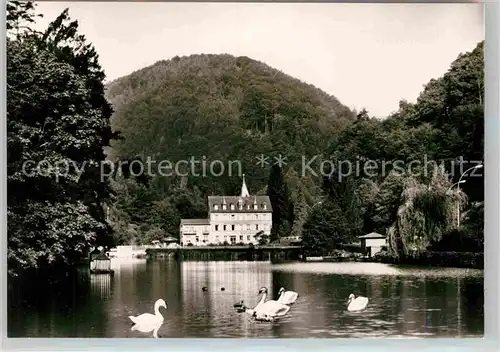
point(427, 210)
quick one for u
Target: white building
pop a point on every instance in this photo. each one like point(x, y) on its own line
point(195, 231)
point(232, 219)
point(373, 243)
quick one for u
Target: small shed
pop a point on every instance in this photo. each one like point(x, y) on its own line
point(100, 263)
point(372, 243)
point(170, 239)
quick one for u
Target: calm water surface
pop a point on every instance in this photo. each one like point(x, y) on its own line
point(404, 302)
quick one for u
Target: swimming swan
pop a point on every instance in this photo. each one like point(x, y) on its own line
point(252, 311)
point(270, 308)
point(287, 297)
point(356, 304)
point(148, 319)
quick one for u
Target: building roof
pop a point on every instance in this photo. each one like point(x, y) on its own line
point(99, 256)
point(247, 204)
point(244, 189)
point(195, 222)
point(170, 239)
point(371, 235)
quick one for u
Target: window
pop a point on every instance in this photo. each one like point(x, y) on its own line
point(232, 216)
point(224, 227)
point(197, 239)
point(231, 206)
point(216, 227)
point(224, 207)
point(233, 239)
point(255, 206)
point(216, 207)
point(248, 238)
point(257, 226)
point(264, 206)
point(248, 206)
point(240, 206)
point(232, 227)
point(241, 238)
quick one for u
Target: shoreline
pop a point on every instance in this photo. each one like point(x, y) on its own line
point(466, 260)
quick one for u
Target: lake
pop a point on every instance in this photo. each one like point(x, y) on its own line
point(405, 302)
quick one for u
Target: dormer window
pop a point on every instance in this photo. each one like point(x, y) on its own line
point(240, 206)
point(231, 206)
point(248, 206)
point(216, 207)
point(264, 206)
point(224, 206)
point(255, 207)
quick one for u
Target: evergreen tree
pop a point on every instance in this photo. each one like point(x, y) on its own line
point(280, 197)
point(325, 230)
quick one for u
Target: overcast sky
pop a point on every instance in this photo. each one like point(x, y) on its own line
point(367, 55)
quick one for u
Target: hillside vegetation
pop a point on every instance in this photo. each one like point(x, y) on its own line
point(225, 108)
point(216, 107)
point(427, 146)
point(230, 108)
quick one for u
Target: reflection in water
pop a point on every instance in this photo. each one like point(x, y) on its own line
point(101, 284)
point(211, 313)
point(404, 302)
point(148, 328)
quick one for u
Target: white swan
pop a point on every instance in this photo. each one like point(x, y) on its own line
point(356, 303)
point(287, 297)
point(270, 308)
point(147, 320)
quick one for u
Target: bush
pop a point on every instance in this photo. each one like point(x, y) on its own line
point(441, 259)
point(264, 239)
point(452, 259)
point(353, 248)
point(459, 241)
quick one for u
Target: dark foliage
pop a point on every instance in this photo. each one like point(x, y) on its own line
point(57, 115)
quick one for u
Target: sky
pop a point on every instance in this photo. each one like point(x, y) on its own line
point(367, 55)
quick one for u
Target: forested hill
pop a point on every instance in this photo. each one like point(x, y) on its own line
point(226, 108)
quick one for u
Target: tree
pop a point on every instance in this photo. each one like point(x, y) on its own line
point(280, 197)
point(426, 212)
point(57, 117)
point(301, 212)
point(325, 230)
point(362, 116)
point(469, 237)
point(342, 192)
